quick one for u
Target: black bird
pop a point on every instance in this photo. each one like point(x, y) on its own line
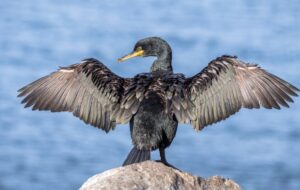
point(155, 102)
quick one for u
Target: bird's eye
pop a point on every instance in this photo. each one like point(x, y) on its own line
point(139, 48)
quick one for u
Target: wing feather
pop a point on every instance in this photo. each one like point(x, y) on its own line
point(88, 89)
point(227, 84)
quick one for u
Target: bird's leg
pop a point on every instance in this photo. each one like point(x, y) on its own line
point(163, 156)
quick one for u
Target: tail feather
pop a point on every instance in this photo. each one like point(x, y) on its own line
point(136, 156)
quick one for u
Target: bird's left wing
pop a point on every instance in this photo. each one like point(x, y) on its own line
point(88, 89)
point(227, 84)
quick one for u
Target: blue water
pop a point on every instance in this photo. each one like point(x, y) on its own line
point(40, 150)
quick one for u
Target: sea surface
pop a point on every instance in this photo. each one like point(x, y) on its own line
point(259, 149)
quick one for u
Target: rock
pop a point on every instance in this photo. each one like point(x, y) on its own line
point(154, 175)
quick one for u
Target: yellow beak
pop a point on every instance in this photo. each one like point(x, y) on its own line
point(137, 53)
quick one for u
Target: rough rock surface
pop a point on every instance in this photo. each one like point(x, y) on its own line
point(154, 175)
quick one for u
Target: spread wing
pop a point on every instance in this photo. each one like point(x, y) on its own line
point(88, 89)
point(227, 84)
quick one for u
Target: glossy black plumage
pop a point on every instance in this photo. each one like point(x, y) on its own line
point(155, 102)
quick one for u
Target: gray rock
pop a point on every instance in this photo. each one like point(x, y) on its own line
point(154, 175)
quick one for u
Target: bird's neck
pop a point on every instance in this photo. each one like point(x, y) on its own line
point(163, 63)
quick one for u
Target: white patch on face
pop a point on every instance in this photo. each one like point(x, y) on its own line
point(66, 70)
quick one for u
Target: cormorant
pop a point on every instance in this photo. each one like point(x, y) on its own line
point(155, 102)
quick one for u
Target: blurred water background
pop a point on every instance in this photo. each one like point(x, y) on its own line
point(40, 150)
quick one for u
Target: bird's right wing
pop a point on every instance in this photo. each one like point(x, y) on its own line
point(88, 89)
point(227, 84)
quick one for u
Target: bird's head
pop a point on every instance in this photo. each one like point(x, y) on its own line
point(151, 46)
